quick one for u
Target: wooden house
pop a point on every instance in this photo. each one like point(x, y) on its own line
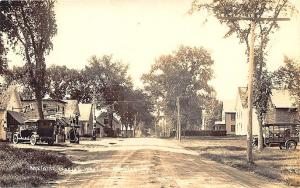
point(282, 108)
point(10, 112)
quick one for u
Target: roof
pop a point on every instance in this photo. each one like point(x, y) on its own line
point(6, 95)
point(220, 123)
point(48, 100)
point(282, 99)
point(17, 116)
point(228, 106)
point(104, 115)
point(85, 111)
point(71, 108)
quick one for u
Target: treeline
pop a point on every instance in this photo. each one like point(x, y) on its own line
point(104, 81)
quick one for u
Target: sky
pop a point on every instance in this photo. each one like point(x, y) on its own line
point(137, 32)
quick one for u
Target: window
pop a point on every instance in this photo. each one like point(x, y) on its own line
point(44, 106)
point(232, 117)
point(232, 128)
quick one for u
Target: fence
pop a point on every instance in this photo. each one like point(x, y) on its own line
point(203, 133)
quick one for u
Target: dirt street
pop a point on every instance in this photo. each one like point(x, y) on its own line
point(147, 162)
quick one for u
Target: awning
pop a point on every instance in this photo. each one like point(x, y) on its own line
point(97, 122)
point(14, 118)
point(62, 122)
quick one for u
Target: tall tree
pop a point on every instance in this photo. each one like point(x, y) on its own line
point(288, 77)
point(58, 80)
point(186, 74)
point(30, 26)
point(262, 92)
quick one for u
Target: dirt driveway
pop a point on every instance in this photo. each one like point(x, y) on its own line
point(147, 162)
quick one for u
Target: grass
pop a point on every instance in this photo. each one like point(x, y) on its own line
point(29, 167)
point(282, 165)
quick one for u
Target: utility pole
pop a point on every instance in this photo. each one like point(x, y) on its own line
point(250, 75)
point(178, 119)
point(134, 126)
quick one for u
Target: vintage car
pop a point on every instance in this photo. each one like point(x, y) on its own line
point(36, 131)
point(282, 135)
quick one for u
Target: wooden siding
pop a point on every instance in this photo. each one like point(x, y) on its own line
point(281, 115)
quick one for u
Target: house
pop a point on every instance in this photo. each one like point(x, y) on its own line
point(229, 116)
point(86, 119)
point(52, 108)
point(102, 122)
point(10, 112)
point(241, 109)
point(219, 126)
point(282, 108)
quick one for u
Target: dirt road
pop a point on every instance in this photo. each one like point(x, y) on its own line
point(148, 162)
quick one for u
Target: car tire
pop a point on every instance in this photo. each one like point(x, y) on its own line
point(15, 139)
point(33, 140)
point(291, 145)
point(50, 142)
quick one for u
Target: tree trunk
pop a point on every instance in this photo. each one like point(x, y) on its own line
point(39, 102)
point(260, 135)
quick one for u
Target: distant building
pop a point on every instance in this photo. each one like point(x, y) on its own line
point(103, 125)
point(52, 108)
point(282, 109)
point(10, 108)
point(86, 119)
point(229, 116)
point(219, 126)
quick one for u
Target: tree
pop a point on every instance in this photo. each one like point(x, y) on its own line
point(19, 75)
point(213, 112)
point(57, 85)
point(262, 93)
point(3, 53)
point(288, 77)
point(29, 27)
point(186, 74)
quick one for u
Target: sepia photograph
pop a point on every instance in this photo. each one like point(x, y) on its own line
point(150, 93)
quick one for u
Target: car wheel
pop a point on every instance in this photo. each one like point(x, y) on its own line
point(15, 139)
point(33, 140)
point(50, 142)
point(291, 145)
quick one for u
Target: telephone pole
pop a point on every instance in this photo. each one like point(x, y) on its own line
point(250, 74)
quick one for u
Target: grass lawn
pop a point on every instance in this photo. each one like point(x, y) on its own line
point(29, 167)
point(273, 163)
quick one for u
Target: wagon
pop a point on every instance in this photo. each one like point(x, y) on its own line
point(36, 131)
point(282, 135)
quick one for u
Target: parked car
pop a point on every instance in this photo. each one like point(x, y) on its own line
point(36, 131)
point(282, 135)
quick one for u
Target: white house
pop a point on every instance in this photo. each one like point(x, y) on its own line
point(241, 108)
point(86, 119)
